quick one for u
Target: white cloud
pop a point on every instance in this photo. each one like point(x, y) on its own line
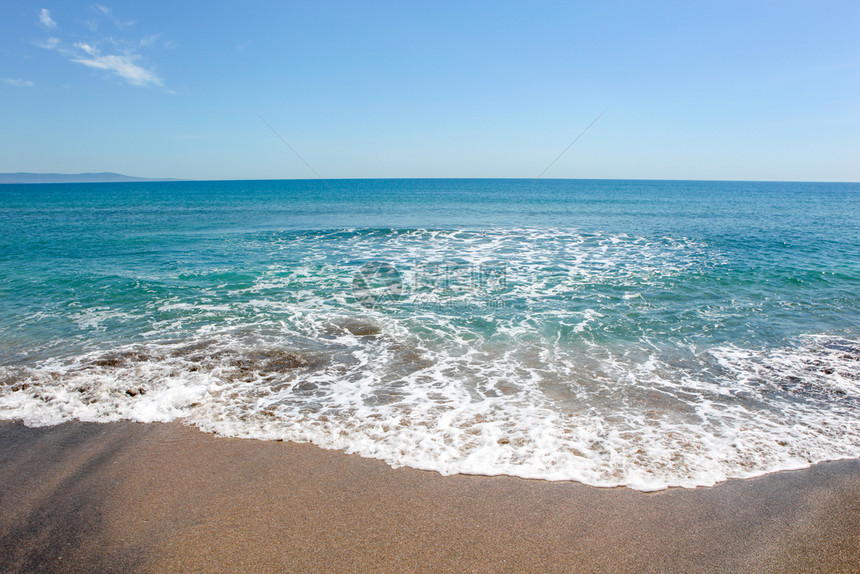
point(123, 61)
point(108, 13)
point(18, 83)
point(50, 44)
point(149, 40)
point(122, 65)
point(86, 48)
point(46, 20)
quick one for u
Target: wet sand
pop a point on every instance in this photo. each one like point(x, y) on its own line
point(127, 497)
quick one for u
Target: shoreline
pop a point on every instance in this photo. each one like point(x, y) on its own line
point(165, 497)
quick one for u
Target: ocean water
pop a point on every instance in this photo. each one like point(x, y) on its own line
point(638, 333)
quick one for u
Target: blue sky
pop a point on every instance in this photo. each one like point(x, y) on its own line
point(691, 90)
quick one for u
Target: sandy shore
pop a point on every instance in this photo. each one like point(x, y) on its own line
point(166, 498)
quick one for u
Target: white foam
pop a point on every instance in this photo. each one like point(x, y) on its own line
point(440, 382)
point(502, 411)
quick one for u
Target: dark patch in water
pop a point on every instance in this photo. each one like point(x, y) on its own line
point(121, 358)
point(198, 351)
point(275, 360)
point(305, 387)
point(193, 347)
point(16, 380)
point(851, 349)
point(818, 370)
point(409, 359)
point(268, 363)
point(355, 327)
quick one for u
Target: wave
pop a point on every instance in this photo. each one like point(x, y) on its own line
point(605, 415)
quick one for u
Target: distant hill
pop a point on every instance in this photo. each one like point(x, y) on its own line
point(70, 177)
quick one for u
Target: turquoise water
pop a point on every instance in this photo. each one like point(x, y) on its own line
point(644, 333)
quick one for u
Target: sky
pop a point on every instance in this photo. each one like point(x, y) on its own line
point(725, 90)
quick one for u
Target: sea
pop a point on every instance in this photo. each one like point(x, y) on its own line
point(646, 334)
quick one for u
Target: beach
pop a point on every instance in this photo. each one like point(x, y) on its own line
point(430, 287)
point(131, 497)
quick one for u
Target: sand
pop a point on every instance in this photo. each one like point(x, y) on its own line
point(128, 497)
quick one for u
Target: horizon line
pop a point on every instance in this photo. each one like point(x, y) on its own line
point(141, 179)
